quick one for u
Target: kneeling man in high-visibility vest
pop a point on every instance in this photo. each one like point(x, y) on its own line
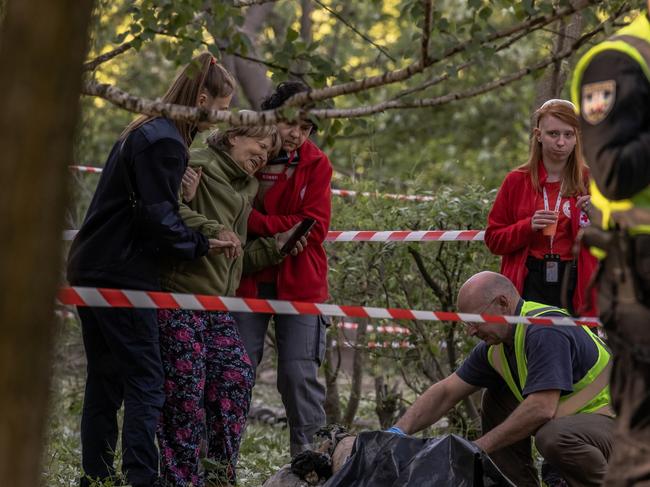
point(549, 383)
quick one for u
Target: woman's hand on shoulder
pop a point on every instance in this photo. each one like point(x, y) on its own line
point(190, 183)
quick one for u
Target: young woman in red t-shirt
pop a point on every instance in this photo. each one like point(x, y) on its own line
point(539, 209)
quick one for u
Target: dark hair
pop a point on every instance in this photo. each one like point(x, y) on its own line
point(282, 93)
point(203, 73)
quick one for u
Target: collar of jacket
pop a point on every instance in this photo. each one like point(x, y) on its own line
point(216, 163)
point(309, 153)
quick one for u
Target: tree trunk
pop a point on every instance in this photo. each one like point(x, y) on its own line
point(357, 374)
point(332, 404)
point(42, 47)
point(551, 84)
point(251, 76)
point(305, 20)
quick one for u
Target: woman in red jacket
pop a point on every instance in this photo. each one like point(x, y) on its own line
point(538, 211)
point(293, 187)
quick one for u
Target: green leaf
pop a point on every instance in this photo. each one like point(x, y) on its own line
point(292, 35)
point(119, 38)
point(485, 13)
point(336, 127)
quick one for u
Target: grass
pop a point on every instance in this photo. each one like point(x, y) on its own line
point(264, 449)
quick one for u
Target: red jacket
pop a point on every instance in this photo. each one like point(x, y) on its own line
point(509, 234)
point(290, 200)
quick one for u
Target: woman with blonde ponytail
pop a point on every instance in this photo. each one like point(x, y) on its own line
point(131, 225)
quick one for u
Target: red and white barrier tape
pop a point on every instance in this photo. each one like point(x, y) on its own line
point(92, 169)
point(385, 236)
point(120, 298)
point(397, 330)
point(344, 193)
point(373, 345)
point(405, 236)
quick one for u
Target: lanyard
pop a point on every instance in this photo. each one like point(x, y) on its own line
point(557, 207)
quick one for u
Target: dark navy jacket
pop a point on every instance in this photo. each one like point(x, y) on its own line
point(119, 247)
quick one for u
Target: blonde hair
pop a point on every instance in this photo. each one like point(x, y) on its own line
point(203, 73)
point(220, 139)
point(573, 174)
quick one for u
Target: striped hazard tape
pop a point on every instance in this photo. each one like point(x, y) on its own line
point(388, 329)
point(344, 193)
point(405, 236)
point(385, 236)
point(120, 298)
point(372, 345)
point(91, 169)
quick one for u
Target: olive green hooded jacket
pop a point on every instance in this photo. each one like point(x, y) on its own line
point(223, 201)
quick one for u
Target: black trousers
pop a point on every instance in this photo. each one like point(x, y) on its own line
point(124, 366)
point(536, 290)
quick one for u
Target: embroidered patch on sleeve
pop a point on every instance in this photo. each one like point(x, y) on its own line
point(598, 100)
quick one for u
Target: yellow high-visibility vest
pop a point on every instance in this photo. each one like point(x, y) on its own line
point(590, 394)
point(634, 41)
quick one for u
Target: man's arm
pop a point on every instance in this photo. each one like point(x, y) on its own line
point(434, 403)
point(535, 411)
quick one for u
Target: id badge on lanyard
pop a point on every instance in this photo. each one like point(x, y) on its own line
point(552, 261)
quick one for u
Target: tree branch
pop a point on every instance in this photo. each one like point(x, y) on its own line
point(356, 31)
point(426, 31)
point(444, 99)
point(179, 112)
point(390, 77)
point(235, 54)
point(431, 282)
point(145, 106)
point(248, 3)
point(445, 76)
point(93, 64)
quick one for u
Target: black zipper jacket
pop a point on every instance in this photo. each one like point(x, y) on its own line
point(119, 246)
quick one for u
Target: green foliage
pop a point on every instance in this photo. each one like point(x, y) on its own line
point(387, 275)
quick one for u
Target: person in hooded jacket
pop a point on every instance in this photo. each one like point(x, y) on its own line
point(208, 374)
point(294, 187)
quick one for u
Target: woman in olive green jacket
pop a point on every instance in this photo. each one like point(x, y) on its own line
point(208, 375)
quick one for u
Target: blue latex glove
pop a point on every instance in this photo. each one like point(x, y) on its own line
point(397, 431)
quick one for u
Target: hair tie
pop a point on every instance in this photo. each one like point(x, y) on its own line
point(213, 60)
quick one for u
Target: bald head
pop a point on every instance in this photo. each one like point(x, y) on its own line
point(482, 289)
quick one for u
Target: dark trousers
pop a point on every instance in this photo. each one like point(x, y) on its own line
point(627, 323)
point(124, 365)
point(301, 348)
point(577, 446)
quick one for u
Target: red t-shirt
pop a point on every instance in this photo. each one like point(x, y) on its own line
point(562, 241)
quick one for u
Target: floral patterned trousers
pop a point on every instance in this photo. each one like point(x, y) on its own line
point(208, 384)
